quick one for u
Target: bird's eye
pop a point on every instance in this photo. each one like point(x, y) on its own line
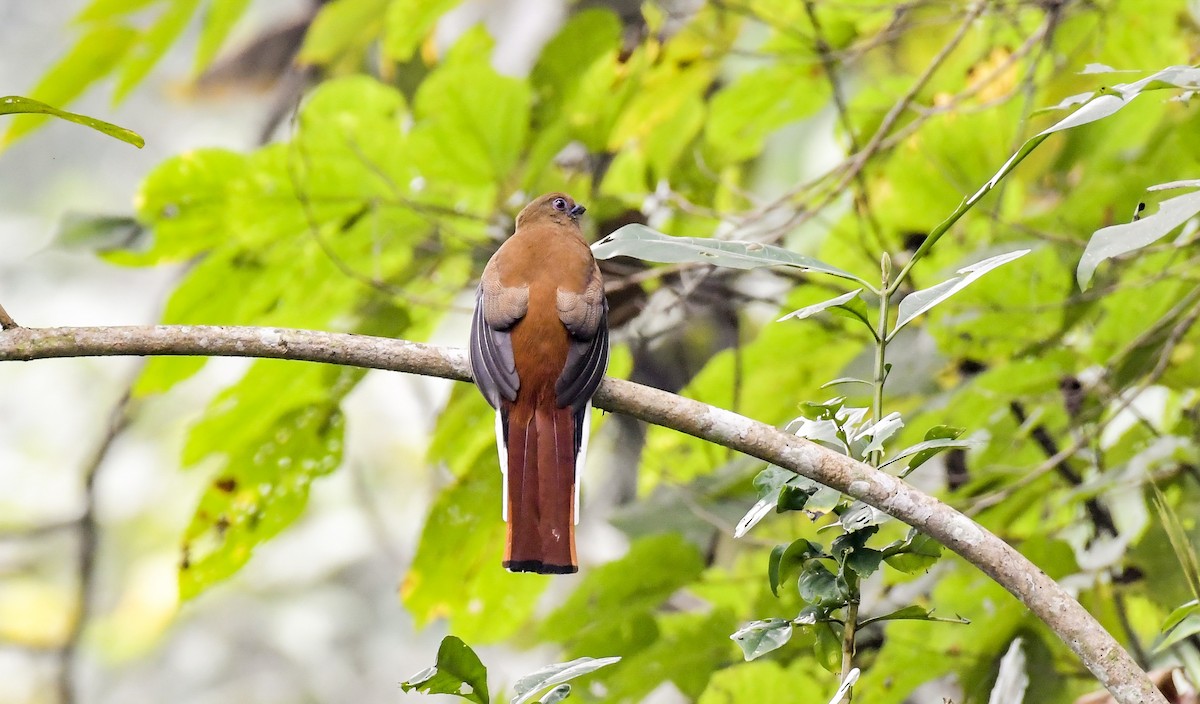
point(560, 204)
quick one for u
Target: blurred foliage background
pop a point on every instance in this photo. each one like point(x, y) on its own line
point(397, 141)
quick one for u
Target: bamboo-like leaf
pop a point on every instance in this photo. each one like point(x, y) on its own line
point(219, 20)
point(1115, 240)
point(92, 58)
point(15, 104)
point(645, 243)
point(922, 301)
point(153, 44)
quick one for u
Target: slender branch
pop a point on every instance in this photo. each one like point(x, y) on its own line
point(1098, 650)
point(86, 553)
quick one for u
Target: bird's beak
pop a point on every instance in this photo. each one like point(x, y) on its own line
point(577, 211)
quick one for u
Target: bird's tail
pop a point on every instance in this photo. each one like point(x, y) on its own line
point(540, 499)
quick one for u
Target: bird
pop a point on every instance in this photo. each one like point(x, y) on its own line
point(538, 351)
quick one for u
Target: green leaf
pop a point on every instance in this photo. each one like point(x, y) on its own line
point(152, 44)
point(1187, 627)
point(760, 681)
point(850, 541)
point(828, 647)
point(1179, 614)
point(471, 122)
point(916, 553)
point(1115, 240)
point(645, 243)
point(185, 201)
point(823, 501)
point(864, 561)
point(785, 561)
point(819, 586)
point(219, 20)
point(92, 57)
point(608, 599)
point(758, 638)
point(750, 108)
point(794, 495)
point(341, 27)
point(408, 23)
point(530, 685)
point(457, 667)
point(918, 302)
point(15, 104)
point(273, 445)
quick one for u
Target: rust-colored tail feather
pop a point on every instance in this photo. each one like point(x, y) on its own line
point(541, 448)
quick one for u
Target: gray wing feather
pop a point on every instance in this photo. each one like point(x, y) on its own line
point(587, 360)
point(491, 357)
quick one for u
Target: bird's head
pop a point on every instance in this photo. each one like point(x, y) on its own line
point(557, 208)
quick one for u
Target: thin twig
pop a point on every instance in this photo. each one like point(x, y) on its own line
point(86, 555)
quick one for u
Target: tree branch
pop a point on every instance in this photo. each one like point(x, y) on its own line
point(1098, 650)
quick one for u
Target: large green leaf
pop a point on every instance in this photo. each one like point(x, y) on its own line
point(746, 111)
point(472, 123)
point(269, 460)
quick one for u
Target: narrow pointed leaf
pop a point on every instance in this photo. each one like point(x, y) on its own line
point(1115, 240)
point(809, 311)
point(645, 243)
point(921, 301)
point(846, 380)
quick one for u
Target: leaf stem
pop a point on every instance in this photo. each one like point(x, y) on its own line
point(881, 340)
point(936, 233)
